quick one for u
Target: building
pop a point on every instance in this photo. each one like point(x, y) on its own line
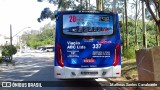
point(4, 40)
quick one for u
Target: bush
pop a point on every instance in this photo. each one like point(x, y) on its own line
point(0, 59)
point(8, 51)
point(129, 53)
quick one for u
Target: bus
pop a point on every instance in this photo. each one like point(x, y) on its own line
point(87, 45)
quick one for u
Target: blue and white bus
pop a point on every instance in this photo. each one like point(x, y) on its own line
point(87, 45)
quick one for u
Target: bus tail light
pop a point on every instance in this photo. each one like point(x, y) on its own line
point(59, 55)
point(117, 55)
point(118, 73)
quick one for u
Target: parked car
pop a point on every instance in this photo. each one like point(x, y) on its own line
point(49, 49)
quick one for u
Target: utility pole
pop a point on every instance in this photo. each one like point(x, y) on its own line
point(11, 40)
point(144, 26)
point(20, 43)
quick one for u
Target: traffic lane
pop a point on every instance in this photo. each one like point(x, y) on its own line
point(24, 67)
point(45, 72)
point(46, 75)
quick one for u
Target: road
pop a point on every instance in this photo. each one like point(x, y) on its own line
point(38, 66)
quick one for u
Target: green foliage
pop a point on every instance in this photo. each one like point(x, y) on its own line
point(150, 28)
point(8, 50)
point(46, 37)
point(63, 5)
point(129, 53)
point(151, 41)
point(0, 59)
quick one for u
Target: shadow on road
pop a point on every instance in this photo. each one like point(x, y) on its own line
point(40, 69)
point(46, 77)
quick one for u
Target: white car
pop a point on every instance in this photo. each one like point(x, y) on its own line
point(49, 49)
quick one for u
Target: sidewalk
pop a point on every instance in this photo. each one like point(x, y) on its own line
point(4, 66)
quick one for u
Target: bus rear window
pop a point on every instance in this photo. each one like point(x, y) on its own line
point(88, 24)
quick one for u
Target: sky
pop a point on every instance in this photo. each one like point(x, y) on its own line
point(21, 14)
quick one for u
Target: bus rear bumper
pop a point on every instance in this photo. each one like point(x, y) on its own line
point(74, 73)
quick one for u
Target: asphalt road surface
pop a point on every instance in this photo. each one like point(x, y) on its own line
point(34, 66)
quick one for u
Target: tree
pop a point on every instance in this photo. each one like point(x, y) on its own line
point(156, 4)
point(45, 14)
point(8, 51)
point(153, 7)
point(99, 5)
point(144, 26)
point(126, 21)
point(62, 5)
point(136, 20)
point(42, 38)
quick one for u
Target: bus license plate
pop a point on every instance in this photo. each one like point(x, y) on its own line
point(89, 73)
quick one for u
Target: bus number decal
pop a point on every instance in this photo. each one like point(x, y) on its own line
point(96, 46)
point(72, 18)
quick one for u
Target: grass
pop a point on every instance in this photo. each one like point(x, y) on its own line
point(129, 71)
